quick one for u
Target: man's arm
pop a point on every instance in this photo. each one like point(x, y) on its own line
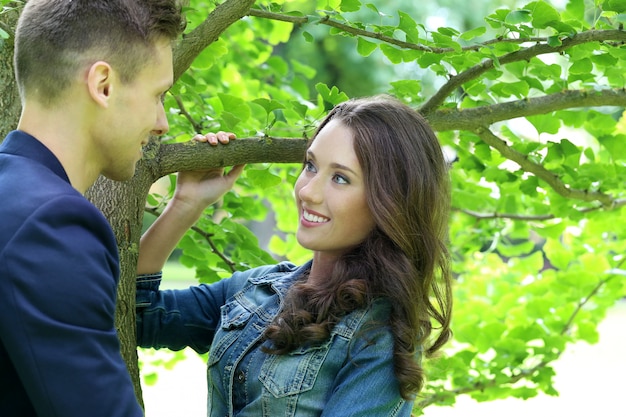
point(59, 303)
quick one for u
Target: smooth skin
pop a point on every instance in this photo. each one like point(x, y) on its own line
point(331, 199)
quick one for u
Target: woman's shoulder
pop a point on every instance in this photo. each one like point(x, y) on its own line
point(373, 318)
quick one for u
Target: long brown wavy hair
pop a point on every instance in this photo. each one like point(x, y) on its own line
point(404, 260)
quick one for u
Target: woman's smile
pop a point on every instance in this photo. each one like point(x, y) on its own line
point(312, 217)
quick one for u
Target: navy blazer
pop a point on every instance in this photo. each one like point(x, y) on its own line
point(59, 268)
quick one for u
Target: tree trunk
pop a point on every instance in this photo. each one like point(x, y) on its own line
point(123, 204)
point(10, 104)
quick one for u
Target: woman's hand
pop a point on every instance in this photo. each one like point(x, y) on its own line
point(200, 188)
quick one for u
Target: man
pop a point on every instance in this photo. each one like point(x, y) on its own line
point(91, 75)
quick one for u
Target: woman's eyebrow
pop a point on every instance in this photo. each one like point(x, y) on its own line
point(334, 165)
point(342, 167)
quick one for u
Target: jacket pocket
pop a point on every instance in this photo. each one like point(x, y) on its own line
point(293, 373)
point(234, 318)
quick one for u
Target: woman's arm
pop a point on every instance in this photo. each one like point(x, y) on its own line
point(195, 190)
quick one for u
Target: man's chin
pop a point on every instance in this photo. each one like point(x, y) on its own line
point(121, 175)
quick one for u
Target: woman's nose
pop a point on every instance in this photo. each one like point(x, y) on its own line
point(311, 191)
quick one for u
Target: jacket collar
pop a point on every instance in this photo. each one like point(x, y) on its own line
point(22, 144)
point(283, 277)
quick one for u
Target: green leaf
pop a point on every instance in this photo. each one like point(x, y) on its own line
point(517, 89)
point(409, 27)
point(516, 17)
point(299, 108)
point(545, 123)
point(301, 68)
point(529, 186)
point(587, 331)
point(280, 32)
point(364, 47)
point(426, 60)
point(373, 8)
point(211, 54)
point(445, 41)
point(448, 31)
point(473, 33)
point(279, 65)
point(268, 105)
point(581, 66)
point(604, 59)
point(618, 6)
point(543, 14)
point(616, 145)
point(263, 178)
point(497, 18)
point(332, 96)
point(554, 41)
point(308, 37)
point(350, 5)
point(576, 8)
point(406, 88)
point(600, 124)
point(392, 53)
point(236, 109)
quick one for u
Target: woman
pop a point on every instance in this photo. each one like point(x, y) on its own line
point(344, 333)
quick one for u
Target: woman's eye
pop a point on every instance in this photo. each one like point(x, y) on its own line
point(308, 166)
point(340, 179)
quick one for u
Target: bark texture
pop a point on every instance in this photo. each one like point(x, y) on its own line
point(10, 105)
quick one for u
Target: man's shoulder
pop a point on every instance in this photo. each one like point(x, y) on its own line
point(49, 208)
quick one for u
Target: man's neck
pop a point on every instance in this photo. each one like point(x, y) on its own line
point(63, 135)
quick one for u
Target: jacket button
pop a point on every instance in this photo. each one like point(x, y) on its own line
point(240, 377)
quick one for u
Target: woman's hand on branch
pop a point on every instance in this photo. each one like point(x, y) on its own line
point(200, 188)
point(195, 190)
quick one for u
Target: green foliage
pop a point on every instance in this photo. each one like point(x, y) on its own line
point(538, 185)
point(7, 6)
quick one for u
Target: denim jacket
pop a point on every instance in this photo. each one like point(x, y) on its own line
point(351, 374)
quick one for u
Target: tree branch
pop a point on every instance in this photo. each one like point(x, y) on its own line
point(207, 32)
point(191, 155)
point(467, 119)
point(539, 217)
point(490, 216)
point(208, 237)
point(526, 54)
point(197, 127)
point(327, 21)
point(552, 179)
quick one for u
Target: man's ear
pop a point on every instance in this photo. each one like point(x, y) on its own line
point(100, 82)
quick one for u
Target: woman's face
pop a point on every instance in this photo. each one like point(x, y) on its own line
point(330, 194)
